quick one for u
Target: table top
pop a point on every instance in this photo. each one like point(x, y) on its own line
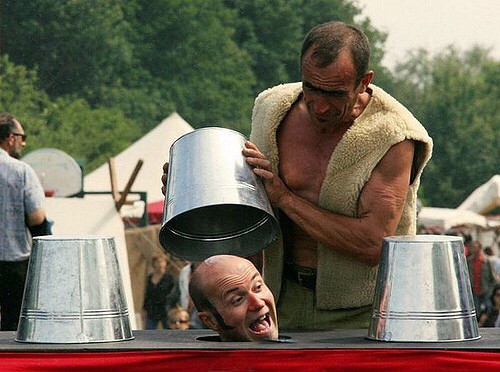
point(208, 340)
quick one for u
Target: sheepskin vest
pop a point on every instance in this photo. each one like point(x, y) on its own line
point(342, 281)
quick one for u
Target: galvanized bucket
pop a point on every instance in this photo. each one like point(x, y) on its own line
point(73, 293)
point(214, 204)
point(423, 291)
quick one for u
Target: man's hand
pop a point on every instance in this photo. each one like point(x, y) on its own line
point(275, 188)
point(164, 177)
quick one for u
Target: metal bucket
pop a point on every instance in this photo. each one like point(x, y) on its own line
point(423, 291)
point(215, 204)
point(73, 293)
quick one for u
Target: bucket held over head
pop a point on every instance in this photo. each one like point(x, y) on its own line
point(423, 291)
point(73, 293)
point(215, 203)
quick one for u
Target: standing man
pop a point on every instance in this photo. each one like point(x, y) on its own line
point(341, 160)
point(21, 207)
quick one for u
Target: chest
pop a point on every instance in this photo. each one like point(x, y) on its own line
point(304, 155)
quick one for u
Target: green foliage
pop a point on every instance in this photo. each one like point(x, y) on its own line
point(90, 76)
point(189, 46)
point(455, 95)
point(67, 123)
point(77, 45)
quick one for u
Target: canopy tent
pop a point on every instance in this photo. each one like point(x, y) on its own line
point(447, 218)
point(485, 198)
point(153, 149)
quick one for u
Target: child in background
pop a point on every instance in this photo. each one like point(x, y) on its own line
point(178, 318)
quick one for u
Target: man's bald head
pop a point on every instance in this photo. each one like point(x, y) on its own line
point(200, 277)
point(233, 300)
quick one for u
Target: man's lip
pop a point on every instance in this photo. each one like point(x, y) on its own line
point(270, 328)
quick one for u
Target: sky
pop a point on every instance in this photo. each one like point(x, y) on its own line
point(434, 24)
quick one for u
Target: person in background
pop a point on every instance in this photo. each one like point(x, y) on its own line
point(21, 210)
point(185, 299)
point(161, 294)
point(490, 316)
point(495, 263)
point(178, 318)
point(233, 300)
point(481, 276)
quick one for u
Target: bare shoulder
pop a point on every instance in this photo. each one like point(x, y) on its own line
point(397, 160)
point(391, 176)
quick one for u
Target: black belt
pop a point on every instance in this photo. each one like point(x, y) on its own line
point(305, 276)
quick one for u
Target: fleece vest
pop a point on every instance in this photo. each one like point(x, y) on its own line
point(342, 281)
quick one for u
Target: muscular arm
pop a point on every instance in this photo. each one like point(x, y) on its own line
point(379, 210)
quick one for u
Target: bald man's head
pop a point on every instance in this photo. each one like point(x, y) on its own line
point(233, 300)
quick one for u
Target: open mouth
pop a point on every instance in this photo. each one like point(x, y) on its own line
point(261, 325)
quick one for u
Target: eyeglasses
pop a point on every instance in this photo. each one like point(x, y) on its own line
point(23, 136)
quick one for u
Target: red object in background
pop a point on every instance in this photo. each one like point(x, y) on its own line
point(49, 193)
point(155, 212)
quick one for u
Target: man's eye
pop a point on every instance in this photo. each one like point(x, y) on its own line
point(237, 300)
point(258, 287)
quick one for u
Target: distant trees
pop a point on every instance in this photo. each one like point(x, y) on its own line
point(89, 77)
point(456, 96)
point(147, 58)
point(67, 122)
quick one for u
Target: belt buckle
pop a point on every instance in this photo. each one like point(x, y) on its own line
point(301, 277)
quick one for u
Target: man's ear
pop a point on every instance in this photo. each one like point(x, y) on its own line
point(208, 320)
point(367, 79)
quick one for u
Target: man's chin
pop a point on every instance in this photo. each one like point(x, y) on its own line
point(270, 334)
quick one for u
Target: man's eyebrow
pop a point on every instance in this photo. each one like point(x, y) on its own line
point(331, 92)
point(236, 289)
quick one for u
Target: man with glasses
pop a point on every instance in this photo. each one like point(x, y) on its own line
point(21, 208)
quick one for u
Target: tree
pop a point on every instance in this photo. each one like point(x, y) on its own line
point(76, 46)
point(189, 46)
point(455, 95)
point(272, 33)
point(67, 123)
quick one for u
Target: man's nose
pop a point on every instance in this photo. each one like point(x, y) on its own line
point(255, 302)
point(321, 106)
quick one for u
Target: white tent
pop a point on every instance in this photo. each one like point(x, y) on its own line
point(485, 198)
point(153, 149)
point(448, 218)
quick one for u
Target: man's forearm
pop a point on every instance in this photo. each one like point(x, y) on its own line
point(359, 237)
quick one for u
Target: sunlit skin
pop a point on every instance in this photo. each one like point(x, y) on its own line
point(332, 95)
point(235, 288)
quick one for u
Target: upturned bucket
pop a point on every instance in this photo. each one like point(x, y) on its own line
point(73, 293)
point(423, 292)
point(215, 203)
